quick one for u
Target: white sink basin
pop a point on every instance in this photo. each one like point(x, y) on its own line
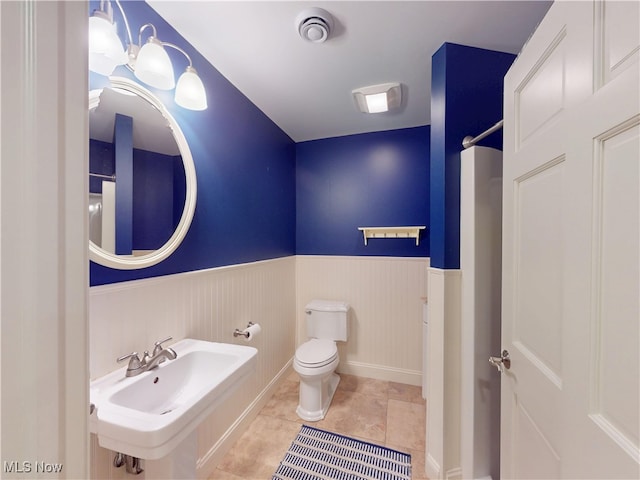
point(148, 415)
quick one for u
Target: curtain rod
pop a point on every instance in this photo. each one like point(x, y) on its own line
point(470, 141)
point(100, 175)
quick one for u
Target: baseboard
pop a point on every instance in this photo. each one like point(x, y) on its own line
point(208, 462)
point(381, 372)
point(432, 468)
point(454, 474)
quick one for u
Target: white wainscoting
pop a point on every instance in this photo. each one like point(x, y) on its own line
point(442, 453)
point(208, 305)
point(386, 295)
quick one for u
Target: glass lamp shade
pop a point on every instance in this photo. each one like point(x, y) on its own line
point(190, 92)
point(377, 102)
point(105, 48)
point(153, 66)
point(378, 98)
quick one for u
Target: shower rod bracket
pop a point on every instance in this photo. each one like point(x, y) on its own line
point(470, 141)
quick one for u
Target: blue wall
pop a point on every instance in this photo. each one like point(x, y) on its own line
point(261, 196)
point(367, 180)
point(466, 99)
point(123, 146)
point(244, 163)
point(158, 192)
point(154, 201)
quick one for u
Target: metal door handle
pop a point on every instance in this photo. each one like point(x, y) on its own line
point(501, 362)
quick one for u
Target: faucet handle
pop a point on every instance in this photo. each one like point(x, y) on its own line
point(158, 345)
point(145, 358)
point(134, 362)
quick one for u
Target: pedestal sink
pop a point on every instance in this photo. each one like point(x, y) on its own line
point(153, 415)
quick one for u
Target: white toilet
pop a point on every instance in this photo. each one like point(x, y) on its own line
point(316, 359)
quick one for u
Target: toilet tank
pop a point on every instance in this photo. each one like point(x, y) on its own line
point(327, 319)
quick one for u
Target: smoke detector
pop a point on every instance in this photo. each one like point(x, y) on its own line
point(314, 24)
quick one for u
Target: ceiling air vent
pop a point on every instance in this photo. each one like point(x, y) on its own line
point(314, 24)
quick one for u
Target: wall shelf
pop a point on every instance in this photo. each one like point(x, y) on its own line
point(391, 232)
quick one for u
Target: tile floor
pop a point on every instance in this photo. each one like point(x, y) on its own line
point(385, 413)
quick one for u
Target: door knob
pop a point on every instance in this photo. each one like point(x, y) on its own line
point(501, 362)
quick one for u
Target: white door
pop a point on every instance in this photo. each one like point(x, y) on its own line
point(571, 283)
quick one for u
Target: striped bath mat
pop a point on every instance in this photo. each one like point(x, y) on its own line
point(319, 455)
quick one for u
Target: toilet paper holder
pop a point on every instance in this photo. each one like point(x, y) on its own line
point(237, 332)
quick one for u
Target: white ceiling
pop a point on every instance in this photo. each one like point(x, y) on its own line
point(305, 88)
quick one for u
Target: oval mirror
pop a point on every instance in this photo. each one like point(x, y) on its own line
point(142, 180)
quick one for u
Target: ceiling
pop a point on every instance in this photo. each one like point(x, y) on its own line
point(305, 88)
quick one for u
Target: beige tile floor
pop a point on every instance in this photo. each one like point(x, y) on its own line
point(385, 413)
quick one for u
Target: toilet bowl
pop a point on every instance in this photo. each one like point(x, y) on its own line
point(317, 359)
point(315, 362)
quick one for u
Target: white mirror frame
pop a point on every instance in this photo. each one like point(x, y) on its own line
point(126, 262)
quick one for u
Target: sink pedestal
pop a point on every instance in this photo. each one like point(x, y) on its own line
point(180, 463)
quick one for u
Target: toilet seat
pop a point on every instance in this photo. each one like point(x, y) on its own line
point(316, 353)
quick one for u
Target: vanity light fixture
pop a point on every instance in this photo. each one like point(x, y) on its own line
point(150, 62)
point(105, 49)
point(378, 98)
point(190, 91)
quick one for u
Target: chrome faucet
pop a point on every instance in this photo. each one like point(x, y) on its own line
point(148, 362)
point(161, 356)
